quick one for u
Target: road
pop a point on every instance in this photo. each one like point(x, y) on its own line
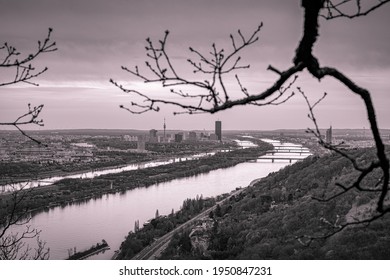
point(155, 250)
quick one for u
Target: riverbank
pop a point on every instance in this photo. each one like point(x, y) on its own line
point(19, 172)
point(43, 175)
point(70, 191)
point(187, 216)
point(113, 215)
point(141, 243)
point(279, 219)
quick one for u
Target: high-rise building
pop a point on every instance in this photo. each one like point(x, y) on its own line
point(141, 143)
point(192, 136)
point(329, 135)
point(178, 137)
point(153, 136)
point(218, 130)
point(164, 139)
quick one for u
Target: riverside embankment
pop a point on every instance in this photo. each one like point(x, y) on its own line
point(74, 190)
point(112, 216)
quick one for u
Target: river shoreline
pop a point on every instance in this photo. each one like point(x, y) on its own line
point(45, 175)
point(112, 215)
point(70, 191)
point(144, 253)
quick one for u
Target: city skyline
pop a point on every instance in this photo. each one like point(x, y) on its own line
point(94, 41)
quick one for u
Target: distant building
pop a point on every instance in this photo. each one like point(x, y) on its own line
point(153, 136)
point(178, 137)
point(131, 138)
point(161, 139)
point(141, 143)
point(165, 127)
point(329, 135)
point(218, 130)
point(213, 137)
point(40, 153)
point(192, 136)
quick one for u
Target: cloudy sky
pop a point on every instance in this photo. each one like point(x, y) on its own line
point(95, 38)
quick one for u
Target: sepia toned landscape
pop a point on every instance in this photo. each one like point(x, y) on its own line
point(194, 130)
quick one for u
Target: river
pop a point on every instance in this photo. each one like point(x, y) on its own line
point(99, 172)
point(111, 217)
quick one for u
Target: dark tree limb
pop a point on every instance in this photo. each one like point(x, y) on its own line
point(13, 245)
point(24, 73)
point(350, 8)
point(30, 117)
point(306, 240)
point(217, 97)
point(220, 63)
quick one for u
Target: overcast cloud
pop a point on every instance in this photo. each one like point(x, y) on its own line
point(96, 37)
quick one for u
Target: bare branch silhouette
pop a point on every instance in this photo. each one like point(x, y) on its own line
point(24, 73)
point(214, 96)
point(350, 8)
point(363, 172)
point(12, 244)
point(30, 117)
point(306, 240)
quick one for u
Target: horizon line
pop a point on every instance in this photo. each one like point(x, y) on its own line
point(211, 129)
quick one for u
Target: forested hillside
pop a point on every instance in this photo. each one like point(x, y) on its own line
point(277, 217)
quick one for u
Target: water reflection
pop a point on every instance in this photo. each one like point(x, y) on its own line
point(112, 216)
point(96, 173)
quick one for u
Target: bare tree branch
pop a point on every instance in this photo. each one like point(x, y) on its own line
point(350, 8)
point(215, 96)
point(306, 240)
point(30, 117)
point(12, 244)
point(24, 73)
point(363, 170)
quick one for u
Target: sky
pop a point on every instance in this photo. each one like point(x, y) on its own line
point(95, 38)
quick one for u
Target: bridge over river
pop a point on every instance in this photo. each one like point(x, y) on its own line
point(273, 159)
point(282, 152)
point(113, 215)
point(290, 149)
point(286, 152)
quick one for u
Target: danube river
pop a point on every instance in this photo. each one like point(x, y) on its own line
point(111, 217)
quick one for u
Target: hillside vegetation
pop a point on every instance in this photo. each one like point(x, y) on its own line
point(273, 219)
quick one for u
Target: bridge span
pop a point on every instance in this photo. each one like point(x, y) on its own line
point(290, 151)
point(273, 159)
point(288, 146)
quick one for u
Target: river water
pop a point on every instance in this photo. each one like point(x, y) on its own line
point(113, 216)
point(96, 173)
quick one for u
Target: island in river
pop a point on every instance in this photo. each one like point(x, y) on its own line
point(72, 190)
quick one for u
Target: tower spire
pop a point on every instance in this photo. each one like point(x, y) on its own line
point(164, 131)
